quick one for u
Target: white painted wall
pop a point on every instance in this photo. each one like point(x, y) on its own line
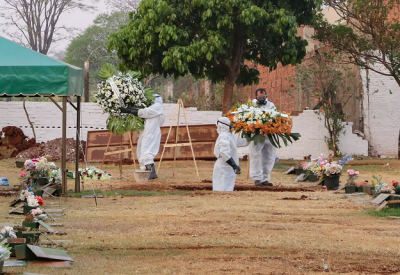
point(381, 114)
point(47, 120)
point(312, 141)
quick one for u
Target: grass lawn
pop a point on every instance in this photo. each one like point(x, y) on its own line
point(157, 228)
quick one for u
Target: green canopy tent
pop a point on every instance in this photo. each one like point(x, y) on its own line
point(24, 72)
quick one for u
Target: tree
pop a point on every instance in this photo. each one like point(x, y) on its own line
point(368, 32)
point(124, 6)
point(34, 23)
point(324, 77)
point(91, 45)
point(212, 38)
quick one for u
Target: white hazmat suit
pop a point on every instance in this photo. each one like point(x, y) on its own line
point(150, 138)
point(262, 155)
point(224, 175)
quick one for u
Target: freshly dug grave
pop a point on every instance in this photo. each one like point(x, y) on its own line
point(13, 141)
point(52, 150)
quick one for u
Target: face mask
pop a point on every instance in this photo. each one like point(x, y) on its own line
point(262, 101)
point(230, 125)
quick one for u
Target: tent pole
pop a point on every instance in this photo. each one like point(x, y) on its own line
point(77, 151)
point(64, 146)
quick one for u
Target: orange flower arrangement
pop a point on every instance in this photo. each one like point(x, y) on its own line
point(255, 124)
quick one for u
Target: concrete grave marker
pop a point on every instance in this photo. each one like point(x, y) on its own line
point(379, 199)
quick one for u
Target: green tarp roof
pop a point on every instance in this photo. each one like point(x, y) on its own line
point(29, 73)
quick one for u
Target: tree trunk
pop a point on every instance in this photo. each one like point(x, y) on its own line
point(230, 81)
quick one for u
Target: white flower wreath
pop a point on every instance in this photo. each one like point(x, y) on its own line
point(122, 90)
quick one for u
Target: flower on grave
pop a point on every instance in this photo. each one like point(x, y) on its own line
point(22, 175)
point(40, 200)
point(36, 211)
point(4, 253)
point(7, 232)
point(32, 202)
point(395, 183)
point(382, 188)
point(92, 172)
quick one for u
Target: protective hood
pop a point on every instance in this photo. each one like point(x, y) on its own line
point(158, 99)
point(223, 125)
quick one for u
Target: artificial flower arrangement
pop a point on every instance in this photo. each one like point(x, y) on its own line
point(38, 214)
point(28, 196)
point(256, 124)
point(5, 253)
point(7, 233)
point(382, 187)
point(95, 173)
point(39, 167)
point(351, 176)
point(325, 166)
point(117, 90)
point(396, 186)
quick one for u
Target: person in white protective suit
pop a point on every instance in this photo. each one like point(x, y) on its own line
point(149, 139)
point(226, 168)
point(262, 155)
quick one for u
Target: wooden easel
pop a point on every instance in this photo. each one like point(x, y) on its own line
point(106, 153)
point(176, 145)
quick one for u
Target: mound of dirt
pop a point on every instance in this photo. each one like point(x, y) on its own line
point(13, 141)
point(52, 150)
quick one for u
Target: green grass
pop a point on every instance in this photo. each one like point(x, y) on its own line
point(127, 192)
point(384, 213)
point(283, 167)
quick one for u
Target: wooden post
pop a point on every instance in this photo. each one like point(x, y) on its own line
point(120, 160)
point(169, 132)
point(64, 146)
point(108, 145)
point(176, 137)
point(86, 80)
point(133, 153)
point(77, 150)
point(190, 140)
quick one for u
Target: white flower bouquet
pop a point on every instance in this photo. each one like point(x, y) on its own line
point(333, 169)
point(5, 253)
point(95, 173)
point(383, 188)
point(122, 90)
point(7, 232)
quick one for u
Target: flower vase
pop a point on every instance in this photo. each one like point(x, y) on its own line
point(350, 189)
point(20, 164)
point(42, 181)
point(332, 183)
point(32, 225)
point(360, 189)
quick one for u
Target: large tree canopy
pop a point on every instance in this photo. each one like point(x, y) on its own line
point(91, 45)
point(368, 33)
point(212, 38)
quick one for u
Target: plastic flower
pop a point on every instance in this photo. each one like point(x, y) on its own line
point(40, 200)
point(36, 211)
point(22, 175)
